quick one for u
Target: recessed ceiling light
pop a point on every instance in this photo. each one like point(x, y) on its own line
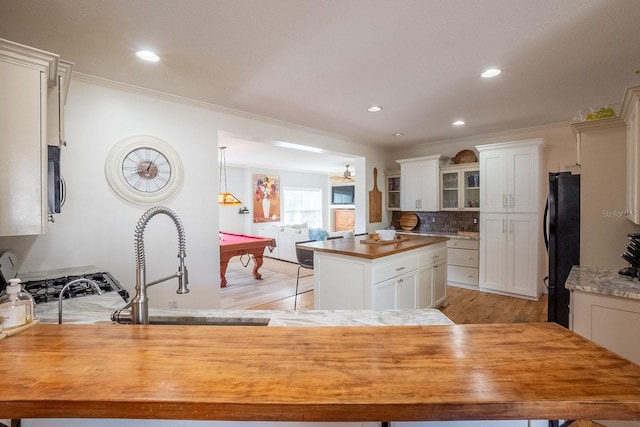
point(148, 55)
point(398, 134)
point(374, 109)
point(491, 72)
point(458, 123)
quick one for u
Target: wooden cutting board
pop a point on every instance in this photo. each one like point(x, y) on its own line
point(375, 200)
point(408, 221)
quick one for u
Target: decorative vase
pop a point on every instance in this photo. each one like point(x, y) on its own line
point(266, 207)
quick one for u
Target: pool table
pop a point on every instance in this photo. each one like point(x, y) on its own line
point(232, 244)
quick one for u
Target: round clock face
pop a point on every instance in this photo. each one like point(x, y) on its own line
point(144, 170)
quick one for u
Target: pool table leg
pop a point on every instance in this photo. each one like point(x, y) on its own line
point(257, 263)
point(223, 272)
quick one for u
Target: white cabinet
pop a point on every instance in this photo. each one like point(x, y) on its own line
point(432, 280)
point(510, 218)
point(420, 179)
point(393, 191)
point(630, 112)
point(463, 263)
point(509, 259)
point(511, 176)
point(396, 293)
point(613, 323)
point(406, 280)
point(460, 187)
point(25, 75)
point(55, 105)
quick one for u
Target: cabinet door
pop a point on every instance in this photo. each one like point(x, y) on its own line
point(429, 185)
point(493, 191)
point(384, 295)
point(493, 251)
point(23, 206)
point(523, 179)
point(410, 178)
point(393, 192)
point(439, 283)
point(425, 287)
point(633, 162)
point(522, 255)
point(449, 182)
point(406, 292)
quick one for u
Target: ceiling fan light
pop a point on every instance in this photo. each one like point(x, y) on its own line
point(374, 108)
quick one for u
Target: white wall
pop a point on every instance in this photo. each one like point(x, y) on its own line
point(97, 228)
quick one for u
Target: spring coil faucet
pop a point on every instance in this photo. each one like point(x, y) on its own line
point(139, 305)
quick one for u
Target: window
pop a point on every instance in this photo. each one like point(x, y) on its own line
point(302, 205)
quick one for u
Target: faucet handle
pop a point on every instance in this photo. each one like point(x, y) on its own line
point(183, 279)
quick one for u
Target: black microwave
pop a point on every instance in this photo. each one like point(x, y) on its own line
point(56, 193)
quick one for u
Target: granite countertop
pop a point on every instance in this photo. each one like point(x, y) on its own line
point(98, 308)
point(604, 282)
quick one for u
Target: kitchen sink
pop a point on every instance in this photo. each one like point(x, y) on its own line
point(207, 321)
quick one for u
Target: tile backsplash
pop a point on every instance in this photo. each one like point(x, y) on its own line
point(444, 221)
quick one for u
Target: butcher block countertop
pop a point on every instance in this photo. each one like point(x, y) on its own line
point(388, 373)
point(354, 247)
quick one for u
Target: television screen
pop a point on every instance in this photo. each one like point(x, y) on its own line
point(343, 195)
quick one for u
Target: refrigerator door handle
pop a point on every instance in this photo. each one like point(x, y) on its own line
point(545, 225)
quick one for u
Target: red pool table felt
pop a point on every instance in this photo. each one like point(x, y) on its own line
point(232, 244)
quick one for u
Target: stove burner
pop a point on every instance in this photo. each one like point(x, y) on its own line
point(48, 290)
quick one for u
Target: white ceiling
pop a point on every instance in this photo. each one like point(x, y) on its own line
point(320, 63)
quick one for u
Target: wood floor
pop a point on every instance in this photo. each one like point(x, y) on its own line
point(277, 292)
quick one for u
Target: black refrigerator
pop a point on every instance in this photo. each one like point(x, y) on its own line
point(562, 238)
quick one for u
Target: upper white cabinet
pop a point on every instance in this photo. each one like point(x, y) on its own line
point(460, 187)
point(510, 218)
point(630, 112)
point(393, 190)
point(420, 179)
point(55, 105)
point(26, 74)
point(510, 176)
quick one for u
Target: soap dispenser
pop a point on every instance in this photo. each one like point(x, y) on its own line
point(17, 307)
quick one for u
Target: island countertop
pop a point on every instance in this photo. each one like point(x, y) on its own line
point(497, 371)
point(354, 247)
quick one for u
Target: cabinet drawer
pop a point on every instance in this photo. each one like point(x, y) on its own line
point(392, 269)
point(463, 257)
point(433, 256)
point(463, 244)
point(466, 275)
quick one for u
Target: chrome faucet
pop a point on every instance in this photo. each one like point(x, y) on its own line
point(139, 305)
point(73, 282)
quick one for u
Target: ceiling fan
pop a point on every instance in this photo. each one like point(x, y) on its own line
point(347, 176)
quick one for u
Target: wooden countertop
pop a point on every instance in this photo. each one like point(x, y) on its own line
point(353, 247)
point(498, 371)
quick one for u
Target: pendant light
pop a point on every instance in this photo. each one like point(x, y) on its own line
point(225, 198)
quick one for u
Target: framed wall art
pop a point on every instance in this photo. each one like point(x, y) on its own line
point(266, 198)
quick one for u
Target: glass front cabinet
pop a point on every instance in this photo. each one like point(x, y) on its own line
point(460, 186)
point(393, 190)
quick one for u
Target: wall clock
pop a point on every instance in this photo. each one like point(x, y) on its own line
point(143, 169)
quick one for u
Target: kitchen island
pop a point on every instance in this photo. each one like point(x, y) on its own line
point(407, 373)
point(355, 274)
